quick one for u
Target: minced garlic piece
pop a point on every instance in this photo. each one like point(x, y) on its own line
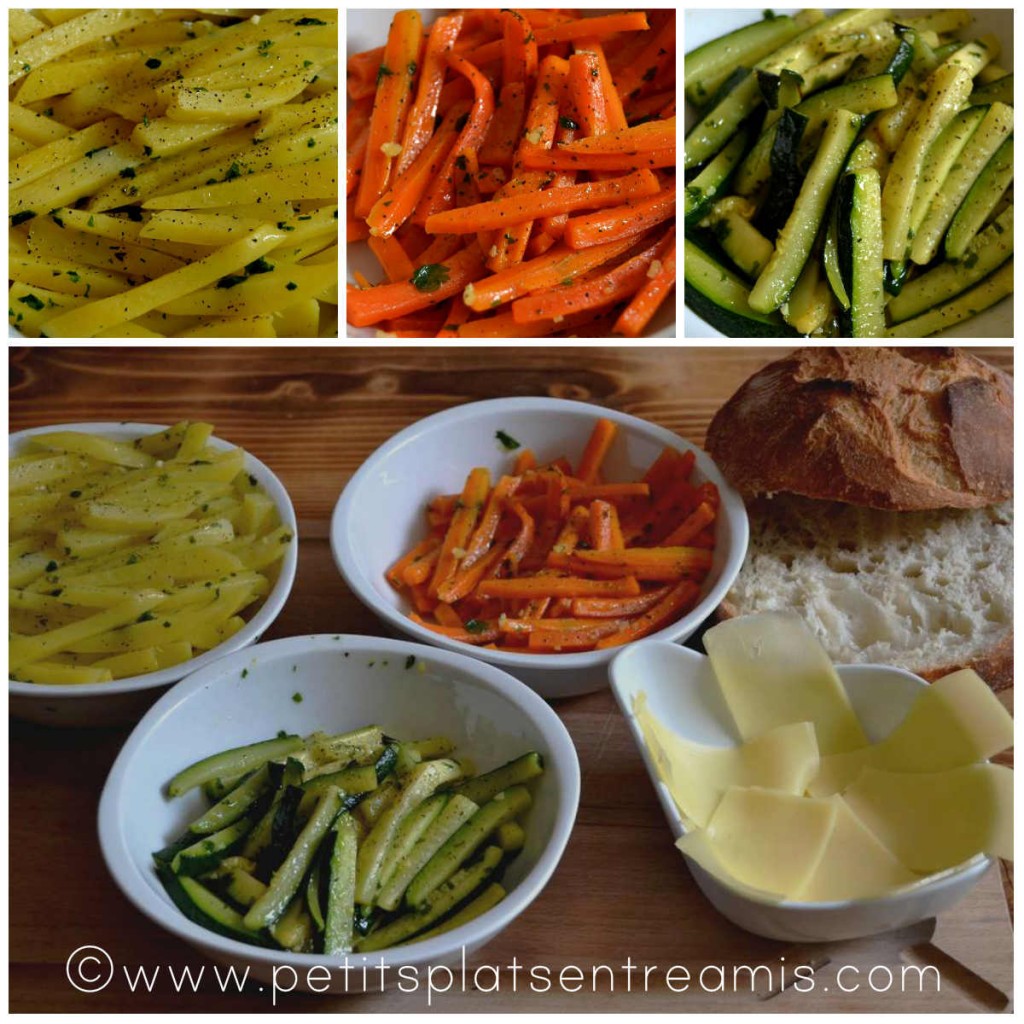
point(654, 269)
point(391, 149)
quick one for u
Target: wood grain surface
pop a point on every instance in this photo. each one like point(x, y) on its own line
point(313, 414)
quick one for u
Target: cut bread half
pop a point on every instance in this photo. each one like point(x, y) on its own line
point(928, 591)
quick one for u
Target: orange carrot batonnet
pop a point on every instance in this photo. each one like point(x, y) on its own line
point(619, 222)
point(633, 320)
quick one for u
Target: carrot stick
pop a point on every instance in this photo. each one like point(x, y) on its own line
point(390, 108)
point(486, 633)
point(605, 531)
point(519, 50)
point(392, 258)
point(467, 578)
point(587, 95)
point(619, 222)
point(420, 126)
point(662, 564)
point(483, 535)
point(633, 320)
point(641, 138)
point(442, 248)
point(652, 61)
point(524, 539)
point(641, 107)
point(355, 156)
point(517, 209)
point(397, 204)
point(608, 492)
point(436, 282)
point(703, 515)
point(600, 440)
point(422, 569)
point(394, 574)
point(474, 493)
point(602, 27)
point(361, 73)
point(602, 289)
point(559, 159)
point(553, 639)
point(679, 599)
point(614, 117)
point(560, 264)
point(524, 460)
point(557, 586)
point(457, 315)
point(446, 615)
point(505, 326)
point(617, 607)
point(490, 179)
point(506, 127)
point(356, 230)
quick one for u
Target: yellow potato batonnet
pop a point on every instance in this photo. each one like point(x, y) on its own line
point(127, 557)
point(776, 817)
point(173, 173)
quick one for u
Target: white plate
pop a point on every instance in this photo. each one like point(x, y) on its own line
point(704, 25)
point(682, 692)
point(367, 29)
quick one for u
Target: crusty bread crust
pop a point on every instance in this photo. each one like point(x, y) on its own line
point(884, 428)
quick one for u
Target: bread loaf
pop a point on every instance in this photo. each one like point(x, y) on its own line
point(878, 485)
point(904, 430)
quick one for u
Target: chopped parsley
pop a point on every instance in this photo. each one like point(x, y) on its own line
point(127, 172)
point(382, 72)
point(310, 21)
point(260, 266)
point(234, 171)
point(20, 218)
point(475, 626)
point(32, 301)
point(230, 281)
point(429, 277)
point(568, 123)
point(509, 443)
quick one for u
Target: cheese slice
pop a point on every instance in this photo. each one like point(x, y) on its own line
point(936, 820)
point(855, 865)
point(773, 671)
point(768, 841)
point(784, 759)
point(956, 721)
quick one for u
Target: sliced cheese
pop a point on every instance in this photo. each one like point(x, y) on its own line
point(956, 721)
point(855, 864)
point(784, 759)
point(773, 671)
point(936, 820)
point(765, 840)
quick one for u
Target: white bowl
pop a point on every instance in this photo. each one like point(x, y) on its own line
point(683, 693)
point(704, 25)
point(380, 513)
point(367, 29)
point(123, 700)
point(345, 682)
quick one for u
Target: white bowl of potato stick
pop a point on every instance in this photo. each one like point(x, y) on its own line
point(222, 563)
point(290, 690)
point(770, 815)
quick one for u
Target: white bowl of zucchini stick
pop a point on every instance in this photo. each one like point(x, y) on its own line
point(322, 800)
point(849, 173)
point(380, 514)
point(64, 578)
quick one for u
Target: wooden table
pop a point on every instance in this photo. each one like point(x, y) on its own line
point(621, 890)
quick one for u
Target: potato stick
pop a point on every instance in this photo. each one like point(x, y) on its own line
point(23, 650)
point(626, 221)
point(471, 502)
point(528, 588)
point(499, 213)
point(678, 600)
point(395, 76)
point(617, 607)
point(89, 320)
point(664, 565)
point(601, 437)
point(49, 673)
point(693, 524)
point(420, 124)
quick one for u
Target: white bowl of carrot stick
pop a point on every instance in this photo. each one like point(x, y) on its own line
point(478, 206)
point(540, 535)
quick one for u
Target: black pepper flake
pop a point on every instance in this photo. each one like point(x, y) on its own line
point(20, 218)
point(153, 63)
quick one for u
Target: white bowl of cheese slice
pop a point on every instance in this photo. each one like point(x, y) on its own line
point(678, 689)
